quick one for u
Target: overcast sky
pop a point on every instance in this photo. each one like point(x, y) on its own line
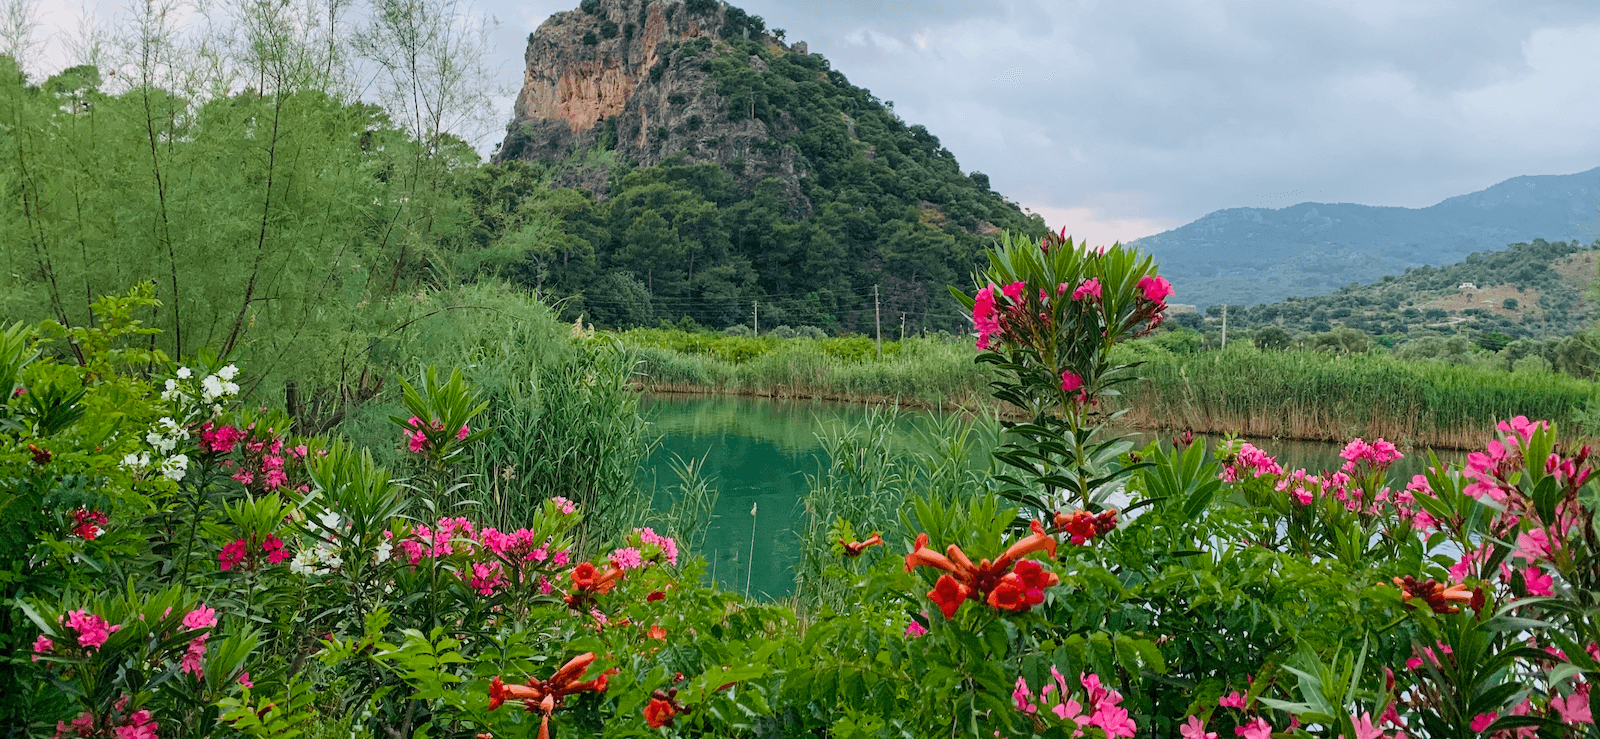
point(1120, 119)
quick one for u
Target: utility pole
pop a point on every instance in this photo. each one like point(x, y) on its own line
point(1224, 325)
point(877, 319)
point(758, 317)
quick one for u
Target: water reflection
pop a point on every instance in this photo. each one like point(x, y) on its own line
point(758, 450)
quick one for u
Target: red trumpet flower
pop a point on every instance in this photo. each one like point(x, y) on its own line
point(855, 548)
point(545, 696)
point(996, 582)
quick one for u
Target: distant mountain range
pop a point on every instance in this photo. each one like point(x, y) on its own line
point(1246, 256)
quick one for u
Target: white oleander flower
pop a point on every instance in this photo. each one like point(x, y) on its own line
point(172, 385)
point(175, 467)
point(212, 387)
point(383, 552)
point(228, 372)
point(184, 373)
point(329, 519)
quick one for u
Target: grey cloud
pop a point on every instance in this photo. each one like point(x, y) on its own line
point(1167, 109)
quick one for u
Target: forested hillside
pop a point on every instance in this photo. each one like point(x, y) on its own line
point(739, 170)
point(1528, 290)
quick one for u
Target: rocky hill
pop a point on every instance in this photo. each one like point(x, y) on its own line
point(635, 77)
point(1258, 255)
point(729, 168)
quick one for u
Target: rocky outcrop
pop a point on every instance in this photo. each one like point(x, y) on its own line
point(630, 77)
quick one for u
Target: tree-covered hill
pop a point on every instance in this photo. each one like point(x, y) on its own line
point(1260, 255)
point(1526, 291)
point(739, 171)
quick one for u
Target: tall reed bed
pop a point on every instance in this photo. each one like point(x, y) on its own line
point(1315, 395)
point(868, 480)
point(563, 414)
point(929, 372)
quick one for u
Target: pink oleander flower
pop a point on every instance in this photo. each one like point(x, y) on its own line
point(545, 587)
point(299, 452)
point(192, 656)
point(1089, 289)
point(1194, 728)
point(668, 547)
point(42, 645)
point(1070, 382)
point(93, 630)
point(914, 630)
point(1233, 700)
point(140, 726)
point(561, 558)
point(1114, 720)
point(1023, 697)
point(1013, 292)
point(1156, 288)
point(232, 554)
point(463, 433)
point(200, 618)
point(566, 507)
point(1574, 708)
point(244, 680)
point(627, 559)
point(1534, 545)
point(1469, 564)
point(1364, 727)
point(1257, 729)
point(1539, 584)
point(984, 317)
point(1482, 721)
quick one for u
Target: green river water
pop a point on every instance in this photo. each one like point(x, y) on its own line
point(757, 452)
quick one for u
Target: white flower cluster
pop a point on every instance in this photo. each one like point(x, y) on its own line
point(212, 388)
point(322, 558)
point(173, 468)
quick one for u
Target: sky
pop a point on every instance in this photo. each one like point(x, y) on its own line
point(1119, 119)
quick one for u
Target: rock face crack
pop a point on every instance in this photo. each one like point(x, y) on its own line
point(629, 77)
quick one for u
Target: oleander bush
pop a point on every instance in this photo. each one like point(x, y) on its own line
point(177, 564)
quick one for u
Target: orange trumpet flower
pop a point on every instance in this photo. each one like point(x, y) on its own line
point(1438, 597)
point(545, 696)
point(993, 581)
point(588, 581)
point(855, 548)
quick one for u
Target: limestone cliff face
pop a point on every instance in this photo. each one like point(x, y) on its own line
point(626, 75)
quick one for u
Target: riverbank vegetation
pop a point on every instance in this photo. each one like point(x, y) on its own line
point(181, 563)
point(1298, 393)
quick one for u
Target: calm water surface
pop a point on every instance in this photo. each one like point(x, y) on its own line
point(757, 452)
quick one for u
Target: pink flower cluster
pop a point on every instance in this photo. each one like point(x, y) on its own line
point(86, 524)
point(139, 725)
point(489, 547)
point(215, 438)
point(986, 317)
point(93, 630)
point(1156, 289)
point(1378, 455)
point(417, 439)
point(239, 551)
point(195, 620)
point(664, 544)
point(264, 464)
point(1249, 460)
point(1102, 711)
point(1490, 468)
